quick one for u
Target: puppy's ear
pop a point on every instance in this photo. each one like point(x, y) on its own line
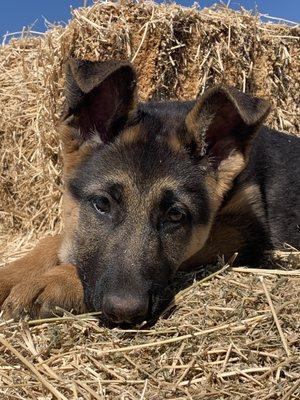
point(99, 96)
point(221, 127)
point(225, 120)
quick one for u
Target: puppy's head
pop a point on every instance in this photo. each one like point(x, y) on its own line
point(144, 182)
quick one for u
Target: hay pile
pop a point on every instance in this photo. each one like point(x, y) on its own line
point(233, 336)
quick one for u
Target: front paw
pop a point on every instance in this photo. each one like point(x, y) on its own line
point(38, 297)
point(6, 285)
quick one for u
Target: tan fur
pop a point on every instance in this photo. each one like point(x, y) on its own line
point(174, 143)
point(225, 240)
point(222, 241)
point(70, 215)
point(217, 187)
point(199, 237)
point(246, 197)
point(74, 149)
point(40, 259)
point(130, 135)
point(39, 294)
point(228, 170)
point(36, 283)
point(159, 186)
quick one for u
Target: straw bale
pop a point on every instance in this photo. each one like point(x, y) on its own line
point(178, 52)
point(231, 336)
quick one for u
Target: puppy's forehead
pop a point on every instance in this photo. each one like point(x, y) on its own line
point(143, 158)
point(128, 185)
point(140, 159)
point(124, 178)
point(155, 119)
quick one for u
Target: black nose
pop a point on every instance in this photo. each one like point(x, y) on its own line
point(125, 309)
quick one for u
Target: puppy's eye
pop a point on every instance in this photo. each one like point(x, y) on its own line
point(101, 205)
point(175, 215)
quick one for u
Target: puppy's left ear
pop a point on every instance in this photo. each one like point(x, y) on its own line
point(221, 127)
point(224, 120)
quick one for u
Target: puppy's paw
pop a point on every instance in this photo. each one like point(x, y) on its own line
point(6, 285)
point(38, 297)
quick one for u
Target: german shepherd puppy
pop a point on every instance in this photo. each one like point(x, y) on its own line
point(151, 188)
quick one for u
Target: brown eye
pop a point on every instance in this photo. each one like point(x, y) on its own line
point(175, 215)
point(101, 205)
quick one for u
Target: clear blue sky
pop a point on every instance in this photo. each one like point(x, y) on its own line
point(14, 14)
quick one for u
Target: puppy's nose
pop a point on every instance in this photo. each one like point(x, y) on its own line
point(125, 309)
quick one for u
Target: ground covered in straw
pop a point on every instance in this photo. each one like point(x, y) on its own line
point(233, 335)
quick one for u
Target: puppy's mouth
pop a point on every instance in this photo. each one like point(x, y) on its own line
point(135, 324)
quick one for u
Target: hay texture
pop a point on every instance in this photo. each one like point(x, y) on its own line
point(232, 336)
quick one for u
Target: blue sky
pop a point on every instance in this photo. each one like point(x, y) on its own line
point(14, 14)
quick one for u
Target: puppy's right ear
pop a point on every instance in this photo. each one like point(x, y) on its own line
point(99, 97)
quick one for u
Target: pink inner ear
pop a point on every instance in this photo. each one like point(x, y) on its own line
point(221, 150)
point(221, 134)
point(98, 110)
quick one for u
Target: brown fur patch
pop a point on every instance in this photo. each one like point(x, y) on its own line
point(159, 186)
point(222, 182)
point(130, 135)
point(243, 199)
point(38, 295)
point(174, 143)
point(223, 240)
point(42, 258)
point(36, 283)
point(198, 239)
point(227, 239)
point(70, 215)
point(228, 170)
point(221, 243)
point(75, 150)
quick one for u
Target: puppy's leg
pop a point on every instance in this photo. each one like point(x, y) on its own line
point(40, 259)
point(36, 283)
point(59, 286)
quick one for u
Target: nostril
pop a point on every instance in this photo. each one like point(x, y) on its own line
point(125, 309)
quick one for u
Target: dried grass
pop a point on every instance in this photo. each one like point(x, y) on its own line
point(220, 341)
point(231, 336)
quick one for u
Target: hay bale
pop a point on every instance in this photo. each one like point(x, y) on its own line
point(178, 52)
point(222, 340)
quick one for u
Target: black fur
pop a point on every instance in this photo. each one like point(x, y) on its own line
point(274, 165)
